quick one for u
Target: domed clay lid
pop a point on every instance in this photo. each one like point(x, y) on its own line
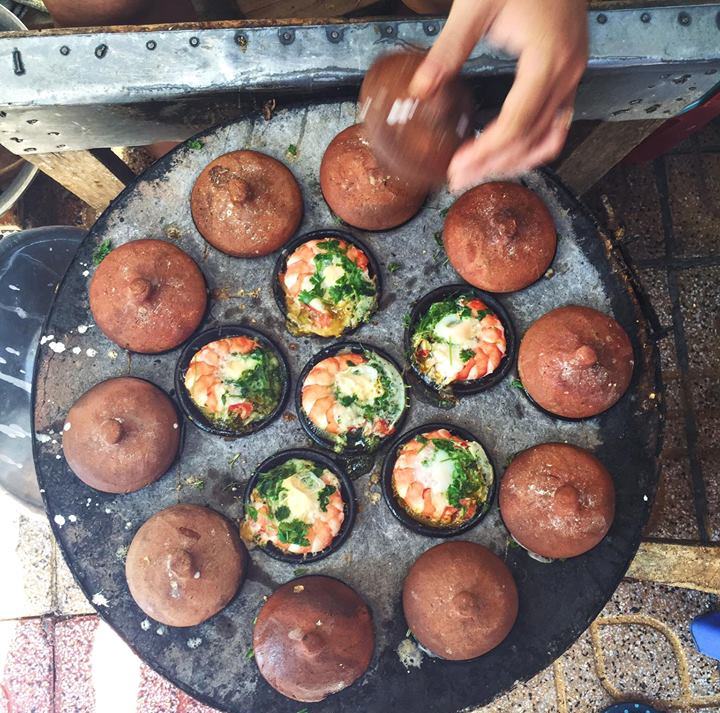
point(185, 564)
point(359, 191)
point(414, 139)
point(148, 296)
point(121, 435)
point(313, 637)
point(460, 600)
point(500, 237)
point(557, 500)
point(246, 204)
point(575, 362)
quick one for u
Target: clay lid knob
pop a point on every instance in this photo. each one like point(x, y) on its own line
point(180, 563)
point(312, 643)
point(140, 289)
point(506, 225)
point(240, 191)
point(466, 605)
point(111, 431)
point(586, 356)
point(567, 499)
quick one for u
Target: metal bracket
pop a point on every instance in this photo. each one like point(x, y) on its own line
point(85, 89)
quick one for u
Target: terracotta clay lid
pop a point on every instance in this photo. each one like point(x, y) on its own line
point(185, 564)
point(359, 191)
point(557, 500)
point(414, 139)
point(500, 237)
point(460, 600)
point(246, 204)
point(85, 13)
point(121, 435)
point(429, 7)
point(575, 362)
point(148, 296)
point(313, 637)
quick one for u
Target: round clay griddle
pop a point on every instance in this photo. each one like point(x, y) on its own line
point(556, 601)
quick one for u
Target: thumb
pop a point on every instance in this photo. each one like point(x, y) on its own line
point(468, 21)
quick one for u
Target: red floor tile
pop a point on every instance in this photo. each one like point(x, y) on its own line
point(74, 691)
point(26, 666)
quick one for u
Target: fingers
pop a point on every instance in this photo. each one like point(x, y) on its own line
point(467, 22)
point(549, 147)
point(518, 140)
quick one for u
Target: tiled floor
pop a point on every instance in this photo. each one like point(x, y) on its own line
point(56, 657)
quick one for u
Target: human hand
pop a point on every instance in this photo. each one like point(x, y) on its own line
point(550, 38)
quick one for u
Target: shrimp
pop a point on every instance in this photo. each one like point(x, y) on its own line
point(318, 393)
point(317, 312)
point(324, 527)
point(204, 376)
point(479, 334)
point(421, 479)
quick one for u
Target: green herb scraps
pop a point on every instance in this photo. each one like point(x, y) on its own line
point(102, 251)
point(195, 144)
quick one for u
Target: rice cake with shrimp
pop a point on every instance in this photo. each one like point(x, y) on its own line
point(354, 399)
point(329, 287)
point(440, 479)
point(296, 506)
point(457, 339)
point(236, 382)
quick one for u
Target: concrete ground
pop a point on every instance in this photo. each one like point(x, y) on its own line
point(56, 657)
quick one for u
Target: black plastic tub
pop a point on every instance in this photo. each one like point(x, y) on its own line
point(318, 435)
point(346, 490)
point(474, 386)
point(402, 514)
point(280, 264)
point(188, 406)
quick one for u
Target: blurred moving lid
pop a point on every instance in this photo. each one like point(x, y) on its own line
point(32, 263)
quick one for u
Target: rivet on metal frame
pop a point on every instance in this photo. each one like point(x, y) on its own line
point(334, 34)
point(64, 50)
point(601, 19)
point(430, 28)
point(241, 40)
point(194, 41)
point(151, 45)
point(388, 31)
point(684, 18)
point(18, 66)
point(101, 51)
point(287, 36)
point(645, 17)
